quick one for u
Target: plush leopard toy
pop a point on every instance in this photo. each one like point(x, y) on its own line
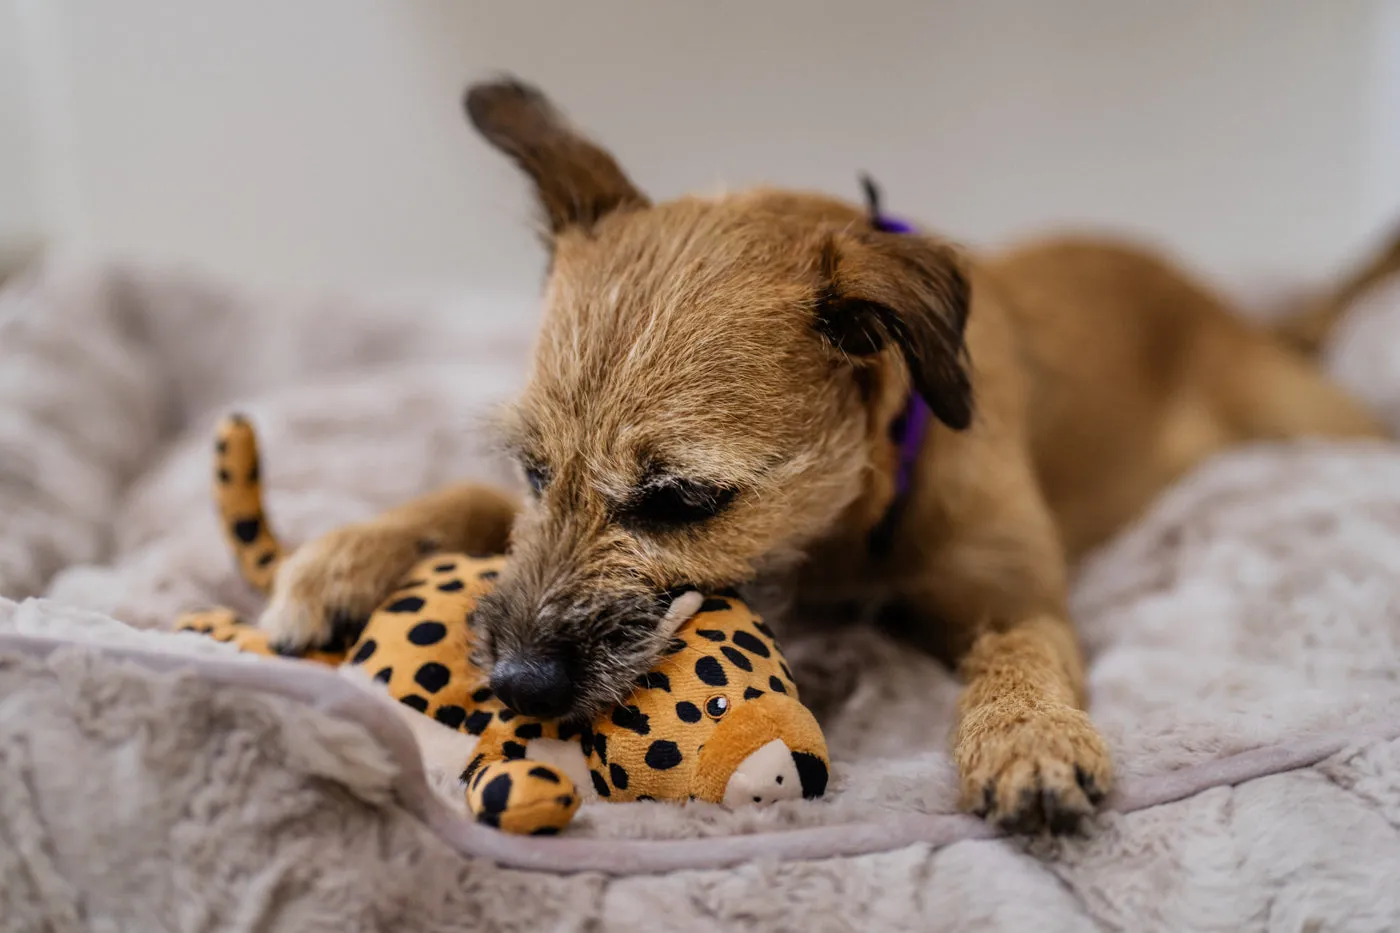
point(717, 719)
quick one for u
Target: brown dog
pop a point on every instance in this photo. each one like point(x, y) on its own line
point(712, 404)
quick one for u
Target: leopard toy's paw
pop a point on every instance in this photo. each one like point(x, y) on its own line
point(227, 626)
point(521, 796)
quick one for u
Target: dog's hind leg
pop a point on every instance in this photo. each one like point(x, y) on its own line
point(1264, 391)
point(1272, 387)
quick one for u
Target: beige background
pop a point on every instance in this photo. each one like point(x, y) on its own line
point(321, 143)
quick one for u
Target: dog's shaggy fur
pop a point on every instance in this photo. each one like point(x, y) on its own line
point(711, 403)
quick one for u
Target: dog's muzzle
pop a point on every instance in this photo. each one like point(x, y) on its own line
point(543, 667)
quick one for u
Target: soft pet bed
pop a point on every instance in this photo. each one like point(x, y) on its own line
point(1245, 638)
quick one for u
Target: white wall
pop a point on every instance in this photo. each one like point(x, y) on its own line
point(321, 141)
point(20, 220)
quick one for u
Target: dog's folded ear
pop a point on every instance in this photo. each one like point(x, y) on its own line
point(577, 181)
point(909, 291)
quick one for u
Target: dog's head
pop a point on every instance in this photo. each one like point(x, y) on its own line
point(711, 393)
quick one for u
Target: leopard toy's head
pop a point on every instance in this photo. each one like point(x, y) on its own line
point(716, 719)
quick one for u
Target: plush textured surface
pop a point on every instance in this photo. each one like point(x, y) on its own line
point(1257, 604)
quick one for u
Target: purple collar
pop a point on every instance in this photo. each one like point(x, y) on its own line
point(886, 224)
point(908, 433)
point(911, 427)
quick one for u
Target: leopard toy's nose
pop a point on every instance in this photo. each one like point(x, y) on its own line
point(766, 775)
point(776, 772)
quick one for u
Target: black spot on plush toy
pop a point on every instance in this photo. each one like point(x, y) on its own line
point(717, 719)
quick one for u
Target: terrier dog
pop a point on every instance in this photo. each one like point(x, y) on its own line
point(776, 390)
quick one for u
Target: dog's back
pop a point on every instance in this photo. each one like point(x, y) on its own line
point(1135, 372)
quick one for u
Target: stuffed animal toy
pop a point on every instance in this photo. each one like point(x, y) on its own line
point(717, 719)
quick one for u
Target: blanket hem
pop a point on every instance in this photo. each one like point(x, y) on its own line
point(329, 693)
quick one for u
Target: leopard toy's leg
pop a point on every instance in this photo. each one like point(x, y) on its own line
point(510, 786)
point(523, 797)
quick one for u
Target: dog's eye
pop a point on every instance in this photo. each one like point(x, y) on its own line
point(537, 476)
point(671, 503)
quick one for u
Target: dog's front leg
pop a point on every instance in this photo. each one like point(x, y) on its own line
point(993, 591)
point(1028, 756)
point(324, 593)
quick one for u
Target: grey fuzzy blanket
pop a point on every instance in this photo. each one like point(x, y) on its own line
point(1245, 642)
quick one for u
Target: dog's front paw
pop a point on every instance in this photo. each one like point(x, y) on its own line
point(325, 592)
point(1028, 770)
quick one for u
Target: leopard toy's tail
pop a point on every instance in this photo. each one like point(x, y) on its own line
point(238, 494)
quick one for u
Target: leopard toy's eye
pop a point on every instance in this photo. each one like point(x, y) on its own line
point(716, 706)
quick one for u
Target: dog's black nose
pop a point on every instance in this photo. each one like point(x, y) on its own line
point(537, 686)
